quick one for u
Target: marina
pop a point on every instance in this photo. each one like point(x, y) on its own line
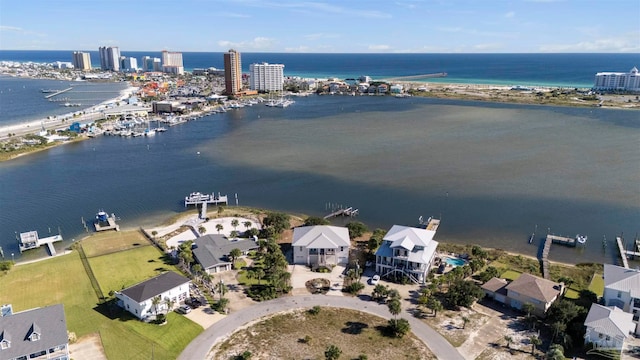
point(30, 240)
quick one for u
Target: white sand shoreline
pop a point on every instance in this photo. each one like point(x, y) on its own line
point(49, 122)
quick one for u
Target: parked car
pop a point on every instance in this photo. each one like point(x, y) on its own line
point(184, 309)
point(375, 279)
point(194, 302)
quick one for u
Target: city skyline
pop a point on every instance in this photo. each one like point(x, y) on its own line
point(446, 26)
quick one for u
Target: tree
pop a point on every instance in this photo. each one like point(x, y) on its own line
point(235, 223)
point(332, 352)
point(220, 210)
point(155, 301)
point(395, 307)
point(508, 339)
point(555, 352)
point(476, 264)
point(233, 234)
point(464, 293)
point(465, 320)
point(535, 342)
point(170, 303)
point(234, 254)
point(479, 252)
point(222, 304)
point(375, 240)
point(202, 229)
point(219, 227)
point(435, 305)
point(275, 223)
point(489, 273)
point(558, 328)
point(356, 229)
point(399, 327)
point(221, 288)
point(316, 220)
point(247, 224)
point(379, 292)
point(196, 270)
point(259, 274)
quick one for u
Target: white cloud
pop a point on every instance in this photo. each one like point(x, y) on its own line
point(379, 47)
point(510, 14)
point(258, 43)
point(11, 28)
point(317, 36)
point(322, 8)
point(598, 45)
point(488, 47)
point(299, 49)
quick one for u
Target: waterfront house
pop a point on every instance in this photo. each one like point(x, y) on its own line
point(608, 327)
point(212, 251)
point(396, 89)
point(539, 292)
point(321, 245)
point(39, 333)
point(138, 299)
point(406, 251)
point(383, 88)
point(622, 290)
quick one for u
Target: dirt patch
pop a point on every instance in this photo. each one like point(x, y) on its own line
point(301, 335)
point(87, 347)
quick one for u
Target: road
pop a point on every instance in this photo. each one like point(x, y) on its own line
point(200, 346)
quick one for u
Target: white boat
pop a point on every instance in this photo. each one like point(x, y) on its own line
point(161, 129)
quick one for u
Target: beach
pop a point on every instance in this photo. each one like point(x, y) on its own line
point(54, 122)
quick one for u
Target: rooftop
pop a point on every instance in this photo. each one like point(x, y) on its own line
point(155, 286)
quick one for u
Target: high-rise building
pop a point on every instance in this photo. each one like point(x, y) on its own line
point(629, 81)
point(129, 64)
point(82, 60)
point(110, 58)
point(172, 62)
point(266, 77)
point(232, 72)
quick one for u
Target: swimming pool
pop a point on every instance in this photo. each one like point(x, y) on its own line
point(454, 261)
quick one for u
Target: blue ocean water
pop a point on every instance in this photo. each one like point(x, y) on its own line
point(566, 70)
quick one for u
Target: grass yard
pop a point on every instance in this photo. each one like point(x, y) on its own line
point(141, 263)
point(63, 280)
point(112, 241)
point(510, 275)
point(355, 333)
point(597, 284)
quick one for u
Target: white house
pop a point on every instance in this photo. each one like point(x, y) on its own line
point(39, 333)
point(408, 251)
point(321, 245)
point(608, 327)
point(622, 290)
point(138, 299)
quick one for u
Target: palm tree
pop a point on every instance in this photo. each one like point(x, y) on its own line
point(202, 229)
point(155, 302)
point(196, 270)
point(170, 303)
point(235, 223)
point(219, 227)
point(259, 274)
point(435, 305)
point(234, 254)
point(395, 307)
point(535, 342)
point(558, 327)
point(465, 320)
point(221, 288)
point(247, 224)
point(508, 339)
point(332, 352)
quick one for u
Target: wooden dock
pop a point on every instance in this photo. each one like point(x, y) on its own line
point(545, 256)
point(212, 199)
point(623, 252)
point(110, 224)
point(350, 211)
point(31, 240)
point(562, 240)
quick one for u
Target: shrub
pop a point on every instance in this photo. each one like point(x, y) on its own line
point(354, 288)
point(315, 310)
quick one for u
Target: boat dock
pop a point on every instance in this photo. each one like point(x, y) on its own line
point(431, 223)
point(350, 211)
point(58, 93)
point(105, 222)
point(196, 198)
point(553, 239)
point(30, 240)
point(562, 240)
point(623, 252)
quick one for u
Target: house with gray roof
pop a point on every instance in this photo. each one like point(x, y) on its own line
point(138, 299)
point(408, 251)
point(539, 292)
point(622, 290)
point(608, 326)
point(321, 245)
point(212, 251)
point(39, 333)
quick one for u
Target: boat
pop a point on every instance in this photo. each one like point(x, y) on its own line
point(197, 196)
point(161, 129)
point(48, 91)
point(581, 239)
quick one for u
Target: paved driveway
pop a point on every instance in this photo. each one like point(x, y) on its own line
point(200, 346)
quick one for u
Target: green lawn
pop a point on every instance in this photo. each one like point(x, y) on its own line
point(141, 263)
point(597, 284)
point(63, 280)
point(111, 241)
point(510, 275)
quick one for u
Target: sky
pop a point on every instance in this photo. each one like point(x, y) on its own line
point(373, 26)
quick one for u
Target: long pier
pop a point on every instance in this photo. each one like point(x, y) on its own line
point(623, 252)
point(350, 211)
point(545, 257)
point(57, 93)
point(30, 240)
